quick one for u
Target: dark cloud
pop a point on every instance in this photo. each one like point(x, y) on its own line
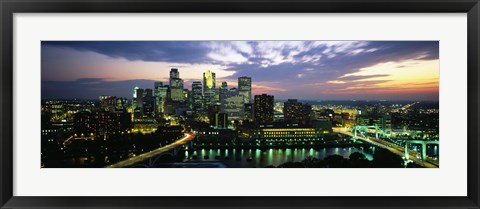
point(292, 65)
point(342, 63)
point(91, 88)
point(167, 51)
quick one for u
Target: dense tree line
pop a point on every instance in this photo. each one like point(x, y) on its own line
point(381, 159)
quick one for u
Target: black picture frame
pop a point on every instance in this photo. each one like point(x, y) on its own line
point(10, 7)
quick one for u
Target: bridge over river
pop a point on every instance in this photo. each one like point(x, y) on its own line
point(149, 155)
point(404, 152)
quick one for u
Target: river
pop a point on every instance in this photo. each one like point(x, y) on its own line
point(251, 158)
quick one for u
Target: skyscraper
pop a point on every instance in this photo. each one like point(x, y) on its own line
point(211, 112)
point(197, 96)
point(148, 92)
point(121, 104)
point(138, 98)
point(186, 97)
point(208, 80)
point(263, 109)
point(134, 98)
point(164, 94)
point(144, 105)
point(176, 86)
point(296, 112)
point(157, 86)
point(245, 88)
point(174, 73)
point(159, 96)
point(148, 104)
point(107, 103)
point(248, 112)
point(222, 92)
point(233, 104)
point(208, 88)
point(221, 120)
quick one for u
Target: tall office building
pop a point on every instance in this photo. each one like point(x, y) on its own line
point(197, 101)
point(263, 109)
point(216, 96)
point(221, 120)
point(211, 112)
point(222, 91)
point(134, 98)
point(148, 104)
point(187, 98)
point(248, 112)
point(383, 122)
point(208, 80)
point(224, 85)
point(138, 111)
point(148, 92)
point(174, 73)
point(121, 104)
point(137, 103)
point(107, 103)
point(208, 88)
point(164, 93)
point(101, 124)
point(296, 112)
point(113, 104)
point(176, 86)
point(159, 97)
point(144, 104)
point(245, 88)
point(157, 85)
point(233, 105)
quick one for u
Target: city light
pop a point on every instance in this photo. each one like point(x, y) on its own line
point(221, 115)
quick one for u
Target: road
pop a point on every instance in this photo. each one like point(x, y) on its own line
point(142, 157)
point(399, 150)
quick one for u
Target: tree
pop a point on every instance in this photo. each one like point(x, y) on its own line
point(292, 165)
point(335, 161)
point(358, 160)
point(386, 159)
point(311, 162)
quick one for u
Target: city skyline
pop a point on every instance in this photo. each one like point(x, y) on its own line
point(305, 70)
point(218, 104)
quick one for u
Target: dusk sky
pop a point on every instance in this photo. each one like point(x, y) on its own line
point(309, 70)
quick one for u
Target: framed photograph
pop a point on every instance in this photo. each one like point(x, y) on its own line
point(235, 104)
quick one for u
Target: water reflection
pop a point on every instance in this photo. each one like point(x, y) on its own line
point(248, 158)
